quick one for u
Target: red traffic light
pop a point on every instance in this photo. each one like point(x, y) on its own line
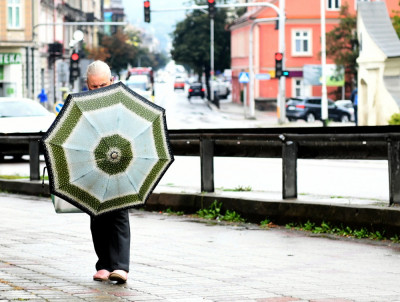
point(146, 4)
point(211, 1)
point(278, 56)
point(75, 57)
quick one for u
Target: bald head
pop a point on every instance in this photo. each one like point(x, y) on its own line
point(98, 74)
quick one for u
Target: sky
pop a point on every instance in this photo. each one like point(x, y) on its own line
point(162, 23)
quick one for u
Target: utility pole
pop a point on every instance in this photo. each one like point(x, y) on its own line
point(281, 19)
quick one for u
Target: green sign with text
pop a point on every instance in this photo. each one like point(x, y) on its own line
point(10, 58)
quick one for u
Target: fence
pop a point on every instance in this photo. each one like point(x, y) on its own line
point(373, 143)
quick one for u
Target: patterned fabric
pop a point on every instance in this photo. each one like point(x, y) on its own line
point(107, 149)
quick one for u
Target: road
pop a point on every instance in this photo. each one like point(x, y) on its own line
point(343, 180)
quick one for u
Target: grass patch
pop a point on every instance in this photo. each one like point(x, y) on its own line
point(13, 177)
point(214, 212)
point(239, 189)
point(344, 231)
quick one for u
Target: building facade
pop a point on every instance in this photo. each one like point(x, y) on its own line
point(302, 45)
point(36, 40)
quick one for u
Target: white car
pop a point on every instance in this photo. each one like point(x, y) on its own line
point(348, 105)
point(22, 115)
point(221, 88)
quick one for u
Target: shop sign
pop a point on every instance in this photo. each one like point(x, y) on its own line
point(1, 73)
point(10, 58)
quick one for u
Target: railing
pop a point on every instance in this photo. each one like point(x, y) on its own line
point(373, 143)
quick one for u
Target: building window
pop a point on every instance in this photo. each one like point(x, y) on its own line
point(333, 5)
point(301, 42)
point(298, 87)
point(14, 13)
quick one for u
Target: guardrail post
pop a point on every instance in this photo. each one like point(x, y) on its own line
point(289, 169)
point(34, 160)
point(394, 171)
point(207, 165)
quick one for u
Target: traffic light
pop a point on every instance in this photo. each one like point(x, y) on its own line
point(211, 8)
point(278, 64)
point(146, 5)
point(285, 73)
point(74, 68)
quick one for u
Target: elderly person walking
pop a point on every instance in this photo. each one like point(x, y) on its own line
point(111, 231)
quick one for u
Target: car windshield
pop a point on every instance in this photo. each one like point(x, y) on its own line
point(21, 109)
point(139, 85)
point(295, 100)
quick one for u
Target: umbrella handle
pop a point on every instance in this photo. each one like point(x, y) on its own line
point(44, 171)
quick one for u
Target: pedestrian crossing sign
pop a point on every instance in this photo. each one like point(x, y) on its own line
point(244, 77)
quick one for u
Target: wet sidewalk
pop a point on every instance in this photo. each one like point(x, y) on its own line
point(49, 257)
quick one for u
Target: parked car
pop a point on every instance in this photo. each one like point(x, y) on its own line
point(179, 83)
point(309, 109)
point(21, 115)
point(347, 105)
point(196, 89)
point(221, 88)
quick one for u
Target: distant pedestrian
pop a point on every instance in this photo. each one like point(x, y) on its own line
point(42, 96)
point(354, 100)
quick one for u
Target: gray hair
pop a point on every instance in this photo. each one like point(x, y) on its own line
point(97, 67)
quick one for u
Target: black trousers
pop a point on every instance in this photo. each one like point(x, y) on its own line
point(111, 239)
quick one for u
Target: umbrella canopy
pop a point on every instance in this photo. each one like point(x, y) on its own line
point(107, 149)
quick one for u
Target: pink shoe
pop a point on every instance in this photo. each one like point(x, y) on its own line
point(118, 275)
point(101, 275)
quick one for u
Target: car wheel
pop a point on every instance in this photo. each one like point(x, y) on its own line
point(310, 118)
point(344, 118)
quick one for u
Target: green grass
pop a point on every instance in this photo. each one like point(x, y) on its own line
point(214, 212)
point(239, 189)
point(345, 231)
point(13, 177)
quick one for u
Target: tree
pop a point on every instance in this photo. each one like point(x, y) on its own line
point(123, 49)
point(191, 42)
point(396, 22)
point(342, 43)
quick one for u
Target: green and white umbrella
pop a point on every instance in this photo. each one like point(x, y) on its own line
point(107, 149)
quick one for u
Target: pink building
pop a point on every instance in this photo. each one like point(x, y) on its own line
point(302, 40)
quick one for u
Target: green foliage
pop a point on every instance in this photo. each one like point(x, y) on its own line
point(239, 189)
point(191, 41)
point(396, 21)
point(232, 216)
point(394, 119)
point(214, 213)
point(171, 212)
point(327, 228)
point(16, 177)
point(342, 42)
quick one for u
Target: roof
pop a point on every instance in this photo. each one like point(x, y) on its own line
point(379, 26)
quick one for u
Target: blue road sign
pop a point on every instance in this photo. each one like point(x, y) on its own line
point(244, 77)
point(263, 76)
point(58, 106)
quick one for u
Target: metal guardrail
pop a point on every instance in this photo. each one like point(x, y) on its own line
point(290, 144)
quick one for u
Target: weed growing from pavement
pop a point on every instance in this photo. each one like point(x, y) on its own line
point(14, 177)
point(171, 212)
point(239, 189)
point(213, 212)
point(345, 231)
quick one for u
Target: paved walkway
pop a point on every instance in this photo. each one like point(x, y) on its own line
point(49, 257)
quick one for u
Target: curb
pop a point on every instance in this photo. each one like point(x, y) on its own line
point(375, 218)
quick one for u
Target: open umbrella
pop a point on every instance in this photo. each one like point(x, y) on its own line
point(107, 149)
